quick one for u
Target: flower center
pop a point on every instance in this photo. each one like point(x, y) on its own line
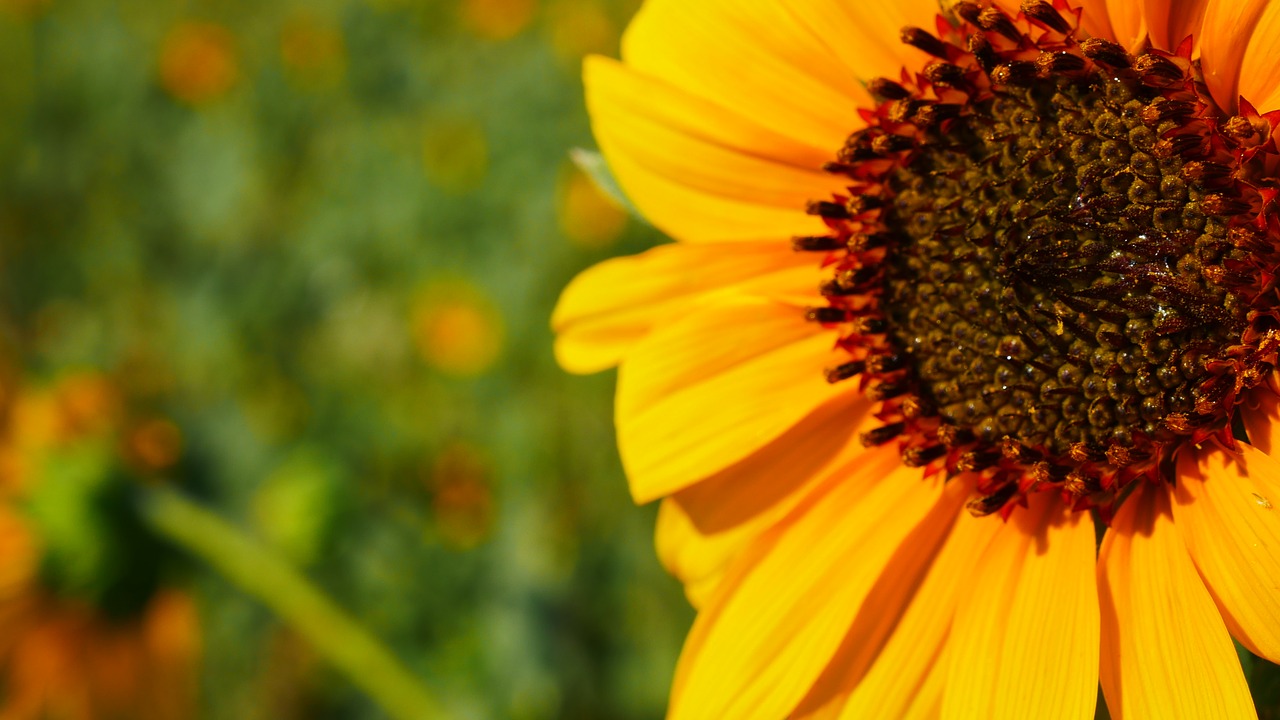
point(1055, 262)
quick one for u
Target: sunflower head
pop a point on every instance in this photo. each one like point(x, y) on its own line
point(1053, 261)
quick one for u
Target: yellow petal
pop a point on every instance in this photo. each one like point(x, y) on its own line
point(796, 67)
point(1024, 642)
point(769, 632)
point(651, 131)
point(908, 672)
point(1095, 21)
point(1261, 415)
point(695, 171)
point(1228, 510)
point(692, 215)
point(1128, 23)
point(882, 610)
point(705, 392)
point(1165, 650)
point(1237, 51)
point(1171, 21)
point(703, 527)
point(610, 307)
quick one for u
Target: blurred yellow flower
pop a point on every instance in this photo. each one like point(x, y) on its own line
point(497, 19)
point(587, 217)
point(198, 62)
point(457, 328)
point(455, 155)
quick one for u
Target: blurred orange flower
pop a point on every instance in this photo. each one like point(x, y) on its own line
point(457, 328)
point(198, 62)
point(497, 19)
point(462, 500)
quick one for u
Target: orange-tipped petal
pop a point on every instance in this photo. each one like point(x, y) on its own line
point(772, 628)
point(1170, 21)
point(878, 619)
point(1128, 23)
point(908, 674)
point(610, 307)
point(703, 393)
point(696, 171)
point(1231, 65)
point(1226, 508)
point(1261, 416)
point(1095, 21)
point(1024, 642)
point(1166, 652)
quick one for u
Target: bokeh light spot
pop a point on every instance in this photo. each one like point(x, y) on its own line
point(458, 330)
point(497, 19)
point(198, 62)
point(155, 443)
point(461, 495)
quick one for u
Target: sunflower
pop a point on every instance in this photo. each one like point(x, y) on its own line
point(88, 628)
point(956, 291)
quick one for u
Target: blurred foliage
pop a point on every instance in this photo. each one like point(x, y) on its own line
point(311, 248)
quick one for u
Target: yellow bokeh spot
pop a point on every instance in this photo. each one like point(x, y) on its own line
point(313, 51)
point(156, 443)
point(587, 216)
point(198, 62)
point(455, 155)
point(577, 28)
point(461, 497)
point(497, 19)
point(35, 421)
point(457, 329)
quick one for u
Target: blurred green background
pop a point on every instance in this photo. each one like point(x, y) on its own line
point(302, 256)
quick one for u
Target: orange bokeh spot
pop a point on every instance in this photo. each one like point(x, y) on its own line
point(89, 404)
point(156, 443)
point(25, 9)
point(457, 329)
point(461, 497)
point(198, 62)
point(497, 19)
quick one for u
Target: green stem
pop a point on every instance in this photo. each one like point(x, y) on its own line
point(262, 574)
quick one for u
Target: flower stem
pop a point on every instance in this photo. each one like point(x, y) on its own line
point(267, 577)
